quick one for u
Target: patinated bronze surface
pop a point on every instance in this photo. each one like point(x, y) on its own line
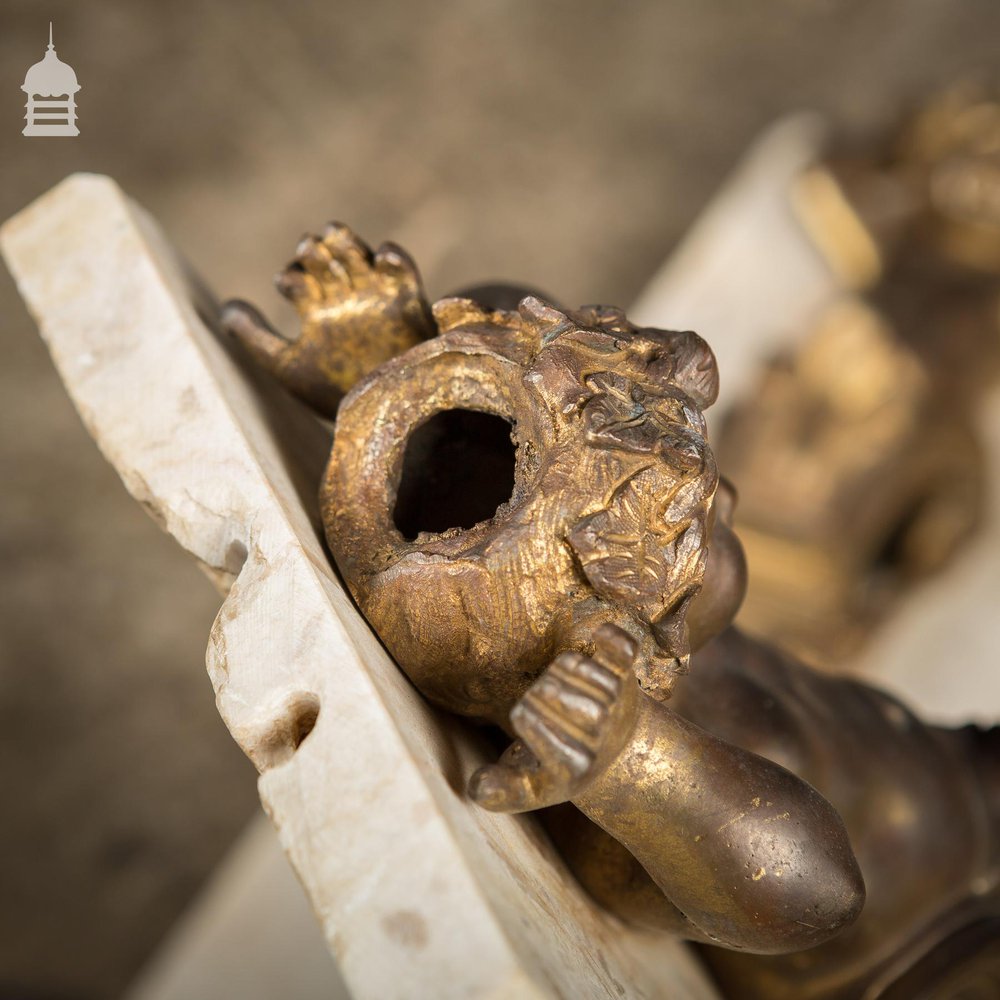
point(564, 592)
point(856, 457)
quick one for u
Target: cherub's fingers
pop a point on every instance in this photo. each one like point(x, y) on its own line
point(601, 683)
point(576, 707)
point(265, 345)
point(561, 751)
point(314, 257)
point(518, 756)
point(503, 789)
point(615, 650)
point(350, 250)
point(395, 263)
point(296, 285)
point(517, 783)
point(511, 784)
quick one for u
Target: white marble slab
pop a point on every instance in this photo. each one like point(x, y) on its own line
point(419, 893)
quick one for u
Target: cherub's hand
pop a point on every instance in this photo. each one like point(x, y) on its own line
point(572, 723)
point(357, 309)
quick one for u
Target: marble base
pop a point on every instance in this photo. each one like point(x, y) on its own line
point(419, 893)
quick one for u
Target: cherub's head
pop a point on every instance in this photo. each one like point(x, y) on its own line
point(477, 560)
point(950, 152)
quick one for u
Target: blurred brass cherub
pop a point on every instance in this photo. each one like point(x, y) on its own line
point(868, 428)
point(564, 604)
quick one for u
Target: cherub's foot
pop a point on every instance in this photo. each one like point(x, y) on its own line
point(357, 310)
point(572, 723)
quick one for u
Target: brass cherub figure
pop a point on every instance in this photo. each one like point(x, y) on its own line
point(869, 429)
point(745, 806)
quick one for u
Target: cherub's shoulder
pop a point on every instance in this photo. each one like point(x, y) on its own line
point(751, 694)
point(734, 655)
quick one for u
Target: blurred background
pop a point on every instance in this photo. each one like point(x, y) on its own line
point(564, 144)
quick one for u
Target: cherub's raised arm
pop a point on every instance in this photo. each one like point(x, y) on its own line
point(357, 309)
point(753, 857)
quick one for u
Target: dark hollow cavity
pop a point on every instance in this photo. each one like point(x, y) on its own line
point(458, 467)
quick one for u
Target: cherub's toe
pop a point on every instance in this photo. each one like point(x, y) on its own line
point(396, 265)
point(314, 257)
point(296, 285)
point(347, 248)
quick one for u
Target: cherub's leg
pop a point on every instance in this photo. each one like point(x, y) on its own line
point(980, 748)
point(752, 856)
point(357, 310)
point(612, 876)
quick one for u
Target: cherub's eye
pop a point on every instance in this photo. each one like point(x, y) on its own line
point(458, 468)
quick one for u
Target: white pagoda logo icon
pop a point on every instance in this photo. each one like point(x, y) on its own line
point(51, 88)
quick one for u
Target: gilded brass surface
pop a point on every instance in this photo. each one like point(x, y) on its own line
point(563, 591)
point(856, 457)
point(589, 400)
point(357, 309)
